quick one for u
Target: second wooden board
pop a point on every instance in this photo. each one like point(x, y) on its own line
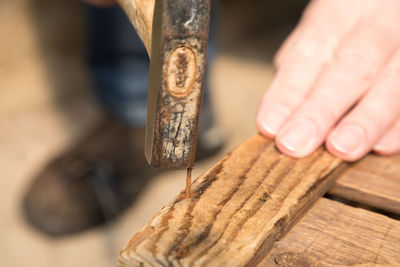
point(334, 234)
point(374, 181)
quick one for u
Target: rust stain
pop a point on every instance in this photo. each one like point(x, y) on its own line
point(164, 228)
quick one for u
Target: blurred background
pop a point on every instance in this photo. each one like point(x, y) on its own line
point(46, 105)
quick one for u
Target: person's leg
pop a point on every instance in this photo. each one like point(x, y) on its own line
point(211, 139)
point(97, 178)
point(118, 63)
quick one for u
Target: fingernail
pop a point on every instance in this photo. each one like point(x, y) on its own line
point(348, 139)
point(299, 135)
point(273, 117)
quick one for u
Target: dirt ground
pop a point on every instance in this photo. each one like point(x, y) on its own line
point(46, 105)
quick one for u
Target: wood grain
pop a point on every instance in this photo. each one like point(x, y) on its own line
point(374, 181)
point(334, 234)
point(238, 209)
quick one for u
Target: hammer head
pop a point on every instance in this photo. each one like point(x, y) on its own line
point(177, 68)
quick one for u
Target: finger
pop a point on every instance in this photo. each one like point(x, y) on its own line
point(344, 80)
point(290, 86)
point(389, 144)
point(309, 51)
point(376, 113)
point(320, 14)
point(294, 79)
point(287, 45)
point(293, 38)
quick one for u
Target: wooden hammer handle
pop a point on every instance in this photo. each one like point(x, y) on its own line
point(140, 13)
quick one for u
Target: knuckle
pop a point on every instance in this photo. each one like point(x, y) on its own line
point(324, 111)
point(376, 110)
point(362, 60)
point(316, 47)
point(288, 92)
point(291, 97)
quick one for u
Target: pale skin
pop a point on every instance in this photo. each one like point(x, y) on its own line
point(337, 81)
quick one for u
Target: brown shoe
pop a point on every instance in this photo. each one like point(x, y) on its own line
point(90, 184)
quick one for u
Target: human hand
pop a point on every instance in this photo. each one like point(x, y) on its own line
point(101, 3)
point(337, 81)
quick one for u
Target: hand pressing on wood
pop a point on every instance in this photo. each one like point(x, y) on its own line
point(101, 3)
point(338, 81)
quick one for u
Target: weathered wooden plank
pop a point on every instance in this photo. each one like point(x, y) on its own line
point(374, 181)
point(334, 234)
point(237, 210)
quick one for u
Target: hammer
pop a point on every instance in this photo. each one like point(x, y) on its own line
point(175, 34)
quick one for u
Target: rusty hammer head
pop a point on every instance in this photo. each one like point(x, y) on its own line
point(175, 33)
point(177, 68)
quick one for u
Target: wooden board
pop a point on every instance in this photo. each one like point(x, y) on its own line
point(374, 181)
point(238, 209)
point(334, 234)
